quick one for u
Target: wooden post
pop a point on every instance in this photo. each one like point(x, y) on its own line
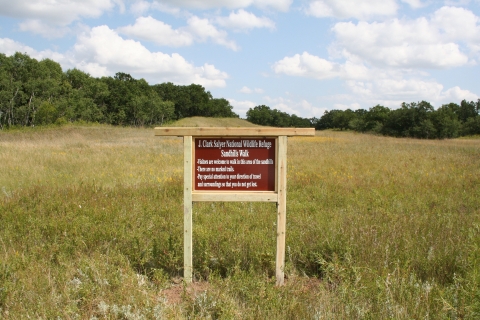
point(187, 210)
point(281, 208)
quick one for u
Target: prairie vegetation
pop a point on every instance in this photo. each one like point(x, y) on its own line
point(91, 224)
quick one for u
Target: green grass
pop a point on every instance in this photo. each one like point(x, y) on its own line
point(377, 228)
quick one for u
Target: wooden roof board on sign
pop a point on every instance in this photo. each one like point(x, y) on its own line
point(233, 131)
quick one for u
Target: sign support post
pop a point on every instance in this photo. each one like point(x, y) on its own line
point(187, 210)
point(281, 208)
point(235, 169)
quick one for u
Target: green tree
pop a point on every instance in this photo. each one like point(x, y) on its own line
point(467, 110)
point(299, 122)
point(375, 118)
point(398, 122)
point(220, 108)
point(445, 121)
point(261, 115)
point(471, 126)
point(341, 119)
point(161, 111)
point(190, 101)
point(327, 120)
point(46, 113)
point(280, 119)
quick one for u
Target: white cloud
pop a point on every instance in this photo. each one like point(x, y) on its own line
point(397, 89)
point(104, 51)
point(457, 24)
point(55, 12)
point(93, 68)
point(416, 43)
point(247, 90)
point(243, 20)
point(197, 29)
point(343, 9)
point(241, 107)
point(140, 7)
point(367, 87)
point(391, 92)
point(203, 30)
point(300, 107)
point(43, 29)
point(457, 94)
point(457, 2)
point(310, 66)
point(309, 110)
point(9, 47)
point(307, 65)
point(166, 8)
point(150, 29)
point(283, 104)
point(281, 5)
point(415, 3)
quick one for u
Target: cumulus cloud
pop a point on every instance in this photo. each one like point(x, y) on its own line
point(9, 47)
point(280, 5)
point(203, 30)
point(457, 24)
point(243, 20)
point(371, 86)
point(415, 3)
point(397, 89)
point(293, 105)
point(307, 65)
point(311, 66)
point(55, 12)
point(282, 104)
point(343, 9)
point(140, 7)
point(247, 90)
point(391, 92)
point(45, 30)
point(150, 29)
point(457, 94)
point(196, 30)
point(105, 52)
point(424, 43)
point(241, 107)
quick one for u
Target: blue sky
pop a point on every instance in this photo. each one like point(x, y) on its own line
point(302, 57)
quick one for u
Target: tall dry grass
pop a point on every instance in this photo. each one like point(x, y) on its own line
point(377, 228)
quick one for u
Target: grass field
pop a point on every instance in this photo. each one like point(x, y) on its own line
point(91, 221)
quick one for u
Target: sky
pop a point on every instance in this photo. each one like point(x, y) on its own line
point(302, 57)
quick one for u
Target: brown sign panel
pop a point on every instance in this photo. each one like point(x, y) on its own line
point(234, 164)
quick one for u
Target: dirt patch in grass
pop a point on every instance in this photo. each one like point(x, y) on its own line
point(179, 290)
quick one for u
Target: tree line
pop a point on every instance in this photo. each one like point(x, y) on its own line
point(265, 116)
point(415, 120)
point(39, 93)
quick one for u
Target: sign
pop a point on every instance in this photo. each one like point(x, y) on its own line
point(234, 164)
point(253, 168)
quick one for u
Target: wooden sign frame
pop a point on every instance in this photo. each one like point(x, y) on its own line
point(279, 195)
